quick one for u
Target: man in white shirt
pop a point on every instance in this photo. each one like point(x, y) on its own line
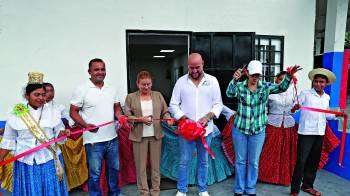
point(95, 102)
point(196, 96)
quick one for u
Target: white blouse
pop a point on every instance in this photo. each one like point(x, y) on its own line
point(19, 138)
point(279, 109)
point(147, 110)
point(62, 110)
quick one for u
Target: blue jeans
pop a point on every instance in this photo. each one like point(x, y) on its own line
point(186, 149)
point(95, 153)
point(247, 148)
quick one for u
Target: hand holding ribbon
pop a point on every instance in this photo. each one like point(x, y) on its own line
point(64, 132)
point(147, 120)
point(292, 70)
point(170, 122)
point(295, 108)
point(124, 120)
point(203, 121)
point(91, 130)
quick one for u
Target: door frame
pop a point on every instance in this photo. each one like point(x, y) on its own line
point(150, 32)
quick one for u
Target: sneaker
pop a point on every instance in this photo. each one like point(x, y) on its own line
point(204, 193)
point(180, 193)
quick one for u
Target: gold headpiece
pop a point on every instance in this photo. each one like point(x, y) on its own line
point(35, 78)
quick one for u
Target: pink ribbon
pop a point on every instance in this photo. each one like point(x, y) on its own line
point(49, 143)
point(343, 137)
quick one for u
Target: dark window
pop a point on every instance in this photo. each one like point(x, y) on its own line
point(223, 53)
point(269, 50)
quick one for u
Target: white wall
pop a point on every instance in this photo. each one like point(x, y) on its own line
point(60, 37)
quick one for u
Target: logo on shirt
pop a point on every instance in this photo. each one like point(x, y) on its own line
point(206, 83)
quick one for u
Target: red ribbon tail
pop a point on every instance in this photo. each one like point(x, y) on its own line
point(343, 137)
point(207, 147)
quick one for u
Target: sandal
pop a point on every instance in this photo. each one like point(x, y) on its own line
point(311, 191)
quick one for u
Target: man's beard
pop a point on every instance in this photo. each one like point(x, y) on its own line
point(195, 75)
point(100, 78)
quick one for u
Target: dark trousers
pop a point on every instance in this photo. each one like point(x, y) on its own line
point(308, 158)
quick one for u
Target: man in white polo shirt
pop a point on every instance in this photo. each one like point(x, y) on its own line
point(196, 96)
point(95, 102)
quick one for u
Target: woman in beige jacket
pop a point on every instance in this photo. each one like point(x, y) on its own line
point(142, 107)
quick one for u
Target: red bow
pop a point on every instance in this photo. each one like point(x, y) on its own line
point(192, 130)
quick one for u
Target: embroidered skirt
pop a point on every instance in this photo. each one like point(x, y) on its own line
point(38, 180)
point(279, 155)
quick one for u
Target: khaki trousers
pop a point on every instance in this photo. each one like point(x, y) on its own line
point(152, 146)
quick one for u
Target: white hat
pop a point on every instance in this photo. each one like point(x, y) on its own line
point(254, 67)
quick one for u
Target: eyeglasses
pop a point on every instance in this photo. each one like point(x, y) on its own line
point(146, 85)
point(255, 76)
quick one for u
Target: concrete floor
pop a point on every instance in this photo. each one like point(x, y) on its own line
point(327, 183)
